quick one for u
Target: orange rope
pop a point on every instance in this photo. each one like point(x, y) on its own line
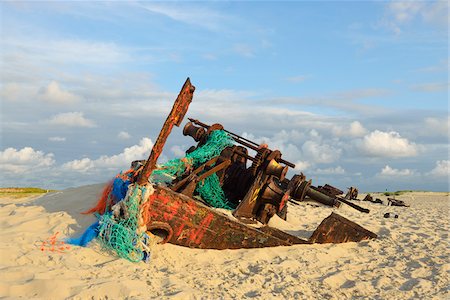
point(105, 200)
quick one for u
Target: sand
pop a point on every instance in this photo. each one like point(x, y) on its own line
point(409, 260)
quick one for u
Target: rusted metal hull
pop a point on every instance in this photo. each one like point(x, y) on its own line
point(190, 223)
point(337, 229)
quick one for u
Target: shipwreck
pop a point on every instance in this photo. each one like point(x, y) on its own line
point(177, 201)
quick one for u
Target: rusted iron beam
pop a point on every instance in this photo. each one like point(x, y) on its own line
point(175, 117)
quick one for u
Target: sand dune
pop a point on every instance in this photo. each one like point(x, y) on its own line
point(409, 260)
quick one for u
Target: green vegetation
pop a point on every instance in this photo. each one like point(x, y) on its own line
point(398, 193)
point(19, 192)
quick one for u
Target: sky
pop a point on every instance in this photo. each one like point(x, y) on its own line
point(353, 93)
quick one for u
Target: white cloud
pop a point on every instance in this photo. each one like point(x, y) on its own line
point(387, 144)
point(123, 135)
point(442, 169)
point(355, 129)
point(54, 94)
point(80, 165)
point(57, 139)
point(188, 13)
point(436, 126)
point(71, 119)
point(64, 51)
point(25, 160)
point(115, 162)
point(13, 91)
point(400, 13)
point(320, 153)
point(302, 165)
point(330, 171)
point(387, 171)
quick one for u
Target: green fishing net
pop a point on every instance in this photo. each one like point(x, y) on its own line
point(118, 229)
point(209, 189)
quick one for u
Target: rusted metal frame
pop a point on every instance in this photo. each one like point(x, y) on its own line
point(215, 169)
point(175, 117)
point(181, 183)
point(243, 141)
point(187, 186)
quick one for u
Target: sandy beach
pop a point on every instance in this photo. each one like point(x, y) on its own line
point(409, 260)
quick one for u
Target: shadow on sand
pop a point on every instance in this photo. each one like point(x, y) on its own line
point(73, 201)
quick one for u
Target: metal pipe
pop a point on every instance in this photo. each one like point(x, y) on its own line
point(241, 140)
point(320, 197)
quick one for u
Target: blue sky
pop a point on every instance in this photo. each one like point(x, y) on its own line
point(355, 93)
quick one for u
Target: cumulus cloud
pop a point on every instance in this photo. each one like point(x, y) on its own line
point(321, 152)
point(442, 169)
point(354, 129)
point(114, 162)
point(387, 171)
point(71, 119)
point(80, 165)
point(57, 139)
point(302, 165)
point(53, 93)
point(123, 135)
point(387, 144)
point(25, 160)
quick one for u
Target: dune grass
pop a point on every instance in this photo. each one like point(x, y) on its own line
point(20, 192)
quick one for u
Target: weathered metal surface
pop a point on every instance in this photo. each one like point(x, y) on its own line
point(305, 189)
point(322, 198)
point(396, 202)
point(329, 190)
point(337, 229)
point(175, 117)
point(192, 224)
point(352, 193)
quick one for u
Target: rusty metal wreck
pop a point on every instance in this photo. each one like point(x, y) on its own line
point(259, 191)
